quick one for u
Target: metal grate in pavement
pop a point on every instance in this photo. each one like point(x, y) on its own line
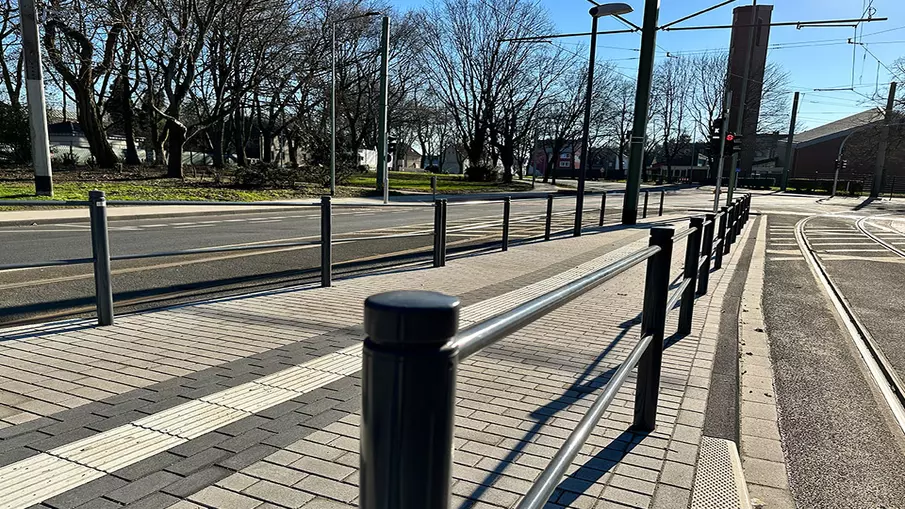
point(719, 482)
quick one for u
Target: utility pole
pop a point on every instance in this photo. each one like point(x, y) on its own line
point(586, 130)
point(382, 173)
point(880, 168)
point(722, 160)
point(740, 122)
point(787, 167)
point(37, 109)
point(642, 104)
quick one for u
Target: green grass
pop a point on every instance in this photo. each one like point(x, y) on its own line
point(447, 184)
point(153, 190)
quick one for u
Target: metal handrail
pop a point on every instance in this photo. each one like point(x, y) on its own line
point(488, 332)
point(413, 349)
point(676, 295)
point(546, 484)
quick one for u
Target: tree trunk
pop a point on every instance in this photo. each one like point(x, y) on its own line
point(267, 153)
point(176, 145)
point(293, 149)
point(239, 140)
point(89, 120)
point(508, 159)
point(129, 126)
point(216, 137)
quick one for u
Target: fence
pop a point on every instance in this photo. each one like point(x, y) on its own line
point(100, 244)
point(413, 348)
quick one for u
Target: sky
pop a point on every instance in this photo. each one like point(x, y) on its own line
point(816, 58)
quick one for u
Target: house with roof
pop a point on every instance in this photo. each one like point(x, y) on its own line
point(856, 139)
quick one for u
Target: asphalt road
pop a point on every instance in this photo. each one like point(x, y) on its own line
point(44, 293)
point(842, 446)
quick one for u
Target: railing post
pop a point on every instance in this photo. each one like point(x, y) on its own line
point(646, 200)
point(692, 259)
point(725, 220)
point(740, 220)
point(707, 251)
point(408, 400)
point(602, 209)
point(438, 236)
point(507, 208)
point(549, 217)
point(100, 247)
point(434, 186)
point(653, 323)
point(444, 209)
point(662, 197)
point(730, 232)
point(326, 242)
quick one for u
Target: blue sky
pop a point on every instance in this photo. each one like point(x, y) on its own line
point(827, 63)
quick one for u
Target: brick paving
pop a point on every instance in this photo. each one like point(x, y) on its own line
point(518, 400)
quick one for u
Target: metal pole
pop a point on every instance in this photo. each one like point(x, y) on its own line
point(662, 197)
point(434, 186)
point(707, 250)
point(892, 187)
point(443, 220)
point(34, 91)
point(438, 236)
point(507, 207)
point(739, 219)
point(646, 199)
point(788, 165)
point(880, 167)
point(642, 105)
point(100, 246)
point(549, 217)
point(586, 132)
point(602, 209)
point(727, 103)
point(653, 323)
point(333, 109)
point(740, 123)
point(326, 241)
point(408, 400)
point(692, 259)
point(382, 170)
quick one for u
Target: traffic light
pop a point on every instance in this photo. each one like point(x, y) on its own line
point(716, 129)
point(733, 144)
point(391, 148)
point(845, 164)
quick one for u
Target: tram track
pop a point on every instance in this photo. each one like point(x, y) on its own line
point(881, 370)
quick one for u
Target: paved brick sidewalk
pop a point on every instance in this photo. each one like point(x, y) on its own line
point(518, 400)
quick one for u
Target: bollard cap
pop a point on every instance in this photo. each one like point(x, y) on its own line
point(96, 195)
point(411, 318)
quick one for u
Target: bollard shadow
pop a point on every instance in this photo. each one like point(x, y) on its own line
point(585, 477)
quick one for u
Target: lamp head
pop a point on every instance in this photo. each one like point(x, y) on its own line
point(611, 9)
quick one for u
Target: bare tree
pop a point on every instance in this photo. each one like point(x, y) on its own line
point(670, 107)
point(472, 69)
point(10, 52)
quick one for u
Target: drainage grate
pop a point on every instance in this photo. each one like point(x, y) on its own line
point(719, 482)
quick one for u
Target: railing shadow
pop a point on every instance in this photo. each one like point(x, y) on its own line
point(867, 201)
point(583, 478)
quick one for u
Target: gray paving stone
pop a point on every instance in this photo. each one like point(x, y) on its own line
point(140, 488)
point(197, 481)
point(247, 457)
point(278, 494)
point(213, 496)
point(327, 488)
point(85, 493)
point(198, 461)
point(153, 501)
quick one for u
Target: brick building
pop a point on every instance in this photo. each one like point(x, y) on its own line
point(857, 138)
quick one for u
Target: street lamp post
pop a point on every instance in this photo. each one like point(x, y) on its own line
point(642, 104)
point(598, 11)
point(333, 96)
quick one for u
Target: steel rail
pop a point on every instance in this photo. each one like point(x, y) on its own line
point(488, 332)
point(676, 296)
point(541, 491)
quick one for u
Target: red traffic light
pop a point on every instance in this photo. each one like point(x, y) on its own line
point(730, 137)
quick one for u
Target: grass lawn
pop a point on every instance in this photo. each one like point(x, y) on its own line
point(447, 184)
point(156, 189)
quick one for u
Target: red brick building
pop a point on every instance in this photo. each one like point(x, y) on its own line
point(857, 138)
